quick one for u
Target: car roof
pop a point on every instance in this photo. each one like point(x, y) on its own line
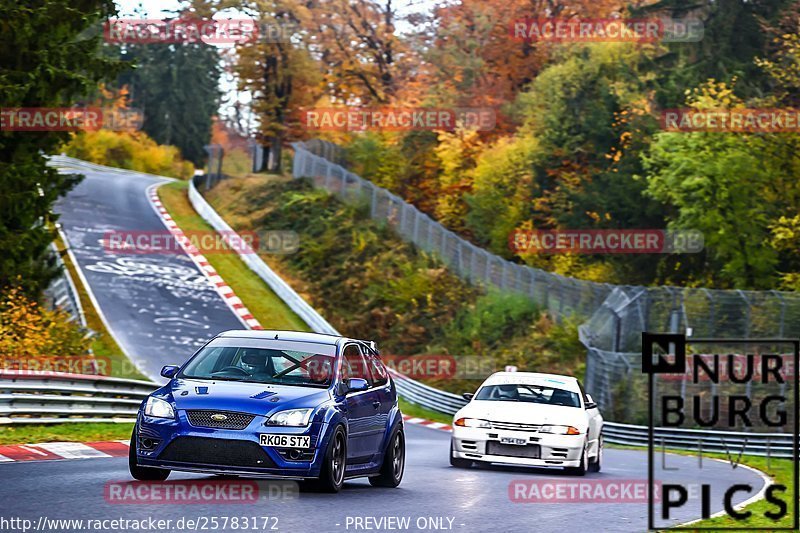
point(533, 378)
point(274, 334)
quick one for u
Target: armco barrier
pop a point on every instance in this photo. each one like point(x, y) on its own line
point(46, 397)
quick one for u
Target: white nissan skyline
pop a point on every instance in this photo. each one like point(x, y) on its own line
point(530, 419)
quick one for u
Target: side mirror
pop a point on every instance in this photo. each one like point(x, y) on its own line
point(169, 371)
point(468, 396)
point(590, 403)
point(356, 385)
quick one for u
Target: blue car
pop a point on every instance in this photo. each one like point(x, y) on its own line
point(283, 404)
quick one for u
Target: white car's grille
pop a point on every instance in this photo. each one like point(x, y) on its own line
point(513, 426)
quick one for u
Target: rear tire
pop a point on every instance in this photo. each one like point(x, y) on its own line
point(331, 477)
point(143, 473)
point(458, 463)
point(394, 461)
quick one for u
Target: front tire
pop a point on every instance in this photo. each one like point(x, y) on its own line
point(331, 477)
point(394, 462)
point(143, 473)
point(458, 463)
point(597, 464)
point(582, 468)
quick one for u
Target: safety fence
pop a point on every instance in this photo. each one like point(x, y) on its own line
point(561, 296)
point(53, 397)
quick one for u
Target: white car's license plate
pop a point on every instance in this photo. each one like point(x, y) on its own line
point(513, 440)
point(285, 441)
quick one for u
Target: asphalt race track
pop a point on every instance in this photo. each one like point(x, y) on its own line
point(161, 308)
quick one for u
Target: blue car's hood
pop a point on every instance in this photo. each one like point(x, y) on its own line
point(254, 398)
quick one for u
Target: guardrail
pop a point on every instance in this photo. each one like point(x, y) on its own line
point(48, 397)
point(731, 442)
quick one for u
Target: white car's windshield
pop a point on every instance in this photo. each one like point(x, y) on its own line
point(530, 394)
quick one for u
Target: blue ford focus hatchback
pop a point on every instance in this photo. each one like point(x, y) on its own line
point(306, 406)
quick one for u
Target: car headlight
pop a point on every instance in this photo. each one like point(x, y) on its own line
point(158, 408)
point(291, 417)
point(560, 430)
point(472, 423)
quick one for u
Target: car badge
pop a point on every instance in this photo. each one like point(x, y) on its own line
point(218, 417)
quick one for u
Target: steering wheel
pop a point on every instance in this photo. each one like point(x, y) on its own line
point(236, 368)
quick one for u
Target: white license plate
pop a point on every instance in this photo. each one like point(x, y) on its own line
point(513, 440)
point(285, 441)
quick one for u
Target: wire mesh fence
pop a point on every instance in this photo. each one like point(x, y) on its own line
point(561, 296)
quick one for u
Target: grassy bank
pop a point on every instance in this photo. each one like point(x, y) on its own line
point(265, 305)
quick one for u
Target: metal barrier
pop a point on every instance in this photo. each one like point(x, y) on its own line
point(730, 442)
point(48, 397)
point(61, 292)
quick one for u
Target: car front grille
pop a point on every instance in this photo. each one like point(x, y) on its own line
point(530, 451)
point(203, 419)
point(222, 452)
point(513, 426)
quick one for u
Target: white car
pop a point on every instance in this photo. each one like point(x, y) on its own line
point(524, 418)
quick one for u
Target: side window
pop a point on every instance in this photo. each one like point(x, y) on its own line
point(379, 373)
point(353, 364)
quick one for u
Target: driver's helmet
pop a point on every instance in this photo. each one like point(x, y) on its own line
point(253, 360)
point(507, 391)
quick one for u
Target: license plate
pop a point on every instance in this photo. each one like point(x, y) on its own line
point(285, 441)
point(512, 440)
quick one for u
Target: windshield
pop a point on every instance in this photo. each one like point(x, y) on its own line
point(280, 366)
point(529, 394)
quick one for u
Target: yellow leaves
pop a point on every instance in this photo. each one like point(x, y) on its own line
point(28, 330)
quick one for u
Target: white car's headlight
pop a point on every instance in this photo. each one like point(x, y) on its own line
point(472, 423)
point(158, 408)
point(291, 417)
point(560, 430)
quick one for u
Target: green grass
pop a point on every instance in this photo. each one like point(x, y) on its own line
point(411, 409)
point(103, 346)
point(71, 432)
point(264, 304)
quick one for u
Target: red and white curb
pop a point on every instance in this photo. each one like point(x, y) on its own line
point(59, 451)
point(427, 423)
point(225, 291)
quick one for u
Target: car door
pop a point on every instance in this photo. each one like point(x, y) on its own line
point(593, 418)
point(363, 408)
point(383, 390)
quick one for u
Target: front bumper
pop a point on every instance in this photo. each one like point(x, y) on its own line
point(540, 449)
point(178, 445)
